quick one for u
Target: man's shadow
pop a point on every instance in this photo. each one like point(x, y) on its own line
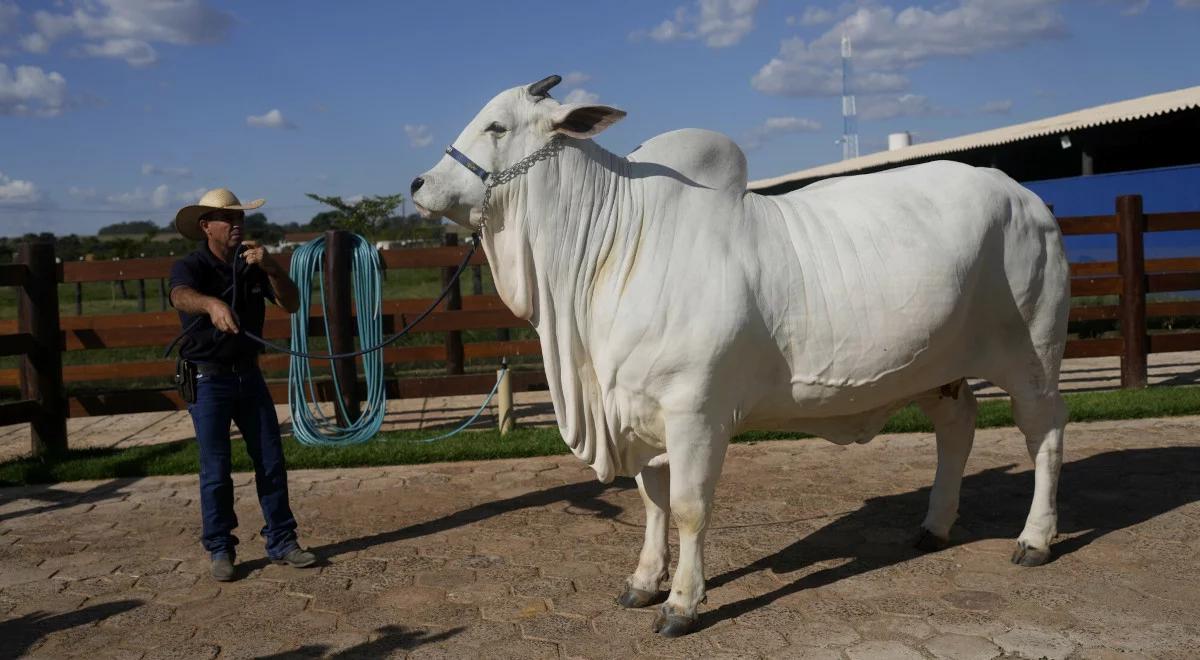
point(1095, 496)
point(584, 495)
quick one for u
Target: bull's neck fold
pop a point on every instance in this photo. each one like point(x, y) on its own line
point(554, 236)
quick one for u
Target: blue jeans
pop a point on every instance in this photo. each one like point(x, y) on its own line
point(241, 398)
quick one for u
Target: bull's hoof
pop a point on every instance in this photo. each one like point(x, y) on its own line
point(927, 541)
point(634, 598)
point(1027, 555)
point(674, 625)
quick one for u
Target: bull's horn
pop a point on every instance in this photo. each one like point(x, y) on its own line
point(542, 87)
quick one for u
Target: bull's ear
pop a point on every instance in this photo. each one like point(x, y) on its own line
point(584, 121)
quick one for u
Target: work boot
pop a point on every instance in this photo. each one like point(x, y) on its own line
point(297, 558)
point(222, 568)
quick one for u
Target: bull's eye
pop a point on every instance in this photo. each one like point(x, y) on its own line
point(496, 128)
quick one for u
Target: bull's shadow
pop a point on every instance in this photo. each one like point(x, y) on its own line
point(1097, 495)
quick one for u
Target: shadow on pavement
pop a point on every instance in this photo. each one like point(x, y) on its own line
point(392, 638)
point(19, 635)
point(1097, 495)
point(584, 495)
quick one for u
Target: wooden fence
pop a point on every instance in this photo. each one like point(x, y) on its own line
point(39, 334)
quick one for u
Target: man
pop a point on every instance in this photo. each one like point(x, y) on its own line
point(228, 385)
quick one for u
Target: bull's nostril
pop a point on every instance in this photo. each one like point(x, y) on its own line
point(417, 183)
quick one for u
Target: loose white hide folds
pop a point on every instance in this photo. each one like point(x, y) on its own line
point(661, 289)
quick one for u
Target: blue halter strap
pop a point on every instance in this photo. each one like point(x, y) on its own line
point(467, 163)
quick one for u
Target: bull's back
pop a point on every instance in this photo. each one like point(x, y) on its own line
point(878, 285)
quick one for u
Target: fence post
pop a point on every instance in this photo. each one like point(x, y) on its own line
point(504, 401)
point(339, 305)
point(162, 293)
point(41, 369)
point(79, 299)
point(477, 280)
point(454, 344)
point(141, 295)
point(1131, 263)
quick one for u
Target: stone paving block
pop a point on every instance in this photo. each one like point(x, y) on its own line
point(14, 575)
point(1035, 644)
point(974, 600)
point(894, 628)
point(965, 622)
point(554, 627)
point(882, 651)
point(962, 647)
point(757, 641)
point(806, 652)
point(197, 591)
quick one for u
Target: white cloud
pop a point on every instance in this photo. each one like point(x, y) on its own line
point(581, 95)
point(271, 119)
point(125, 29)
point(812, 16)
point(719, 23)
point(887, 42)
point(35, 43)
point(905, 105)
point(149, 169)
point(418, 135)
point(84, 194)
point(191, 196)
point(15, 192)
point(999, 107)
point(135, 52)
point(575, 78)
point(138, 198)
point(1187, 4)
point(758, 135)
point(29, 90)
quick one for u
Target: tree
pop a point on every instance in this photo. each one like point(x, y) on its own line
point(259, 229)
point(325, 220)
point(365, 215)
point(134, 227)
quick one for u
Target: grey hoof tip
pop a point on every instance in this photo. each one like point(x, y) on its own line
point(1026, 555)
point(674, 625)
point(634, 598)
point(927, 541)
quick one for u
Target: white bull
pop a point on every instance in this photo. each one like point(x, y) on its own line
point(675, 309)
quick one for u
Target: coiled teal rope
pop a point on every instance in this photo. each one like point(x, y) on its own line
point(309, 424)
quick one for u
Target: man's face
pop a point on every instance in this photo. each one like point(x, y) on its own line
point(223, 227)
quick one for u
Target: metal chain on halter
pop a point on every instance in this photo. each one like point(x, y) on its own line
point(518, 168)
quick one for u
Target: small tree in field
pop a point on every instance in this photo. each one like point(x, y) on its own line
point(367, 214)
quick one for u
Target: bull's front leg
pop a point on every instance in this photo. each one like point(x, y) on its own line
point(641, 588)
point(696, 451)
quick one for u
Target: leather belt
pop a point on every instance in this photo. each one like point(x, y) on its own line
point(223, 369)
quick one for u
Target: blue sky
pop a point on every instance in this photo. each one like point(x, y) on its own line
point(114, 110)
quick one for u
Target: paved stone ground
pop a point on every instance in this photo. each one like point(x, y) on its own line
point(809, 557)
point(531, 408)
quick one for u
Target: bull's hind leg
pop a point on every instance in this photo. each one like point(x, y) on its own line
point(641, 588)
point(1041, 419)
point(954, 426)
point(696, 450)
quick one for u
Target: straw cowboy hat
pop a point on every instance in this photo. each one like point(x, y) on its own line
point(187, 221)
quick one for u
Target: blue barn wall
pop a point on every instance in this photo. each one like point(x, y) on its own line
point(1163, 190)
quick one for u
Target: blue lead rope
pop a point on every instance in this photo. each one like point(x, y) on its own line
point(309, 424)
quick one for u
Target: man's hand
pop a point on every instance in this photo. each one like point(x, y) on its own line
point(221, 316)
point(257, 254)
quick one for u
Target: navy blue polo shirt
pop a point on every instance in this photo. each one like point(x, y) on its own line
point(208, 275)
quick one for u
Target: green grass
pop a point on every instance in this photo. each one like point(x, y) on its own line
point(404, 448)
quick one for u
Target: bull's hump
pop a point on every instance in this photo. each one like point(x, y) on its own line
point(706, 158)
